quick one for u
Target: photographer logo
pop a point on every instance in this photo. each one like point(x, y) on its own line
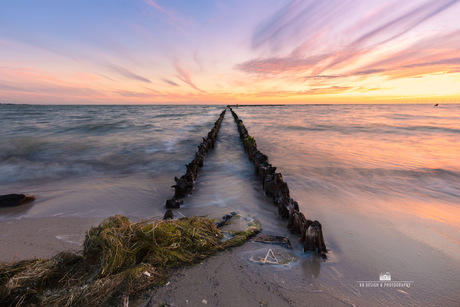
point(385, 276)
point(385, 282)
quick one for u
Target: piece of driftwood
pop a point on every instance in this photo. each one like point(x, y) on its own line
point(269, 258)
point(269, 239)
point(11, 200)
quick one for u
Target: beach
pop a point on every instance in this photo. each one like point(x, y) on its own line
point(231, 279)
point(42, 237)
point(382, 180)
point(226, 279)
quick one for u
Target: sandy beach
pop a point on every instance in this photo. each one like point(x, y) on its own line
point(42, 237)
point(227, 279)
point(231, 279)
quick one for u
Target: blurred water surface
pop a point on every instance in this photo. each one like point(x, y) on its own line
point(384, 180)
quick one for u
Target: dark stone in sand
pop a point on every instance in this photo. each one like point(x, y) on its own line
point(312, 238)
point(225, 219)
point(168, 215)
point(199, 159)
point(209, 142)
point(192, 167)
point(296, 222)
point(265, 170)
point(173, 203)
point(283, 206)
point(11, 200)
point(182, 186)
point(273, 183)
point(202, 149)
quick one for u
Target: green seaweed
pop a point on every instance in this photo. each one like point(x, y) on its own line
point(119, 259)
point(249, 142)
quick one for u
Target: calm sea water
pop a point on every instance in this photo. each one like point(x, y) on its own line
point(384, 180)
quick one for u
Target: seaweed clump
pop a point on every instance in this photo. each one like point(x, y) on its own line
point(249, 142)
point(119, 259)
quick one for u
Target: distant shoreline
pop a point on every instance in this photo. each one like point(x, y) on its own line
point(235, 105)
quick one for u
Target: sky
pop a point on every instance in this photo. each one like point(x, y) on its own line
point(232, 51)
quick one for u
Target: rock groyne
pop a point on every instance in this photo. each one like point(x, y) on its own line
point(273, 184)
point(185, 184)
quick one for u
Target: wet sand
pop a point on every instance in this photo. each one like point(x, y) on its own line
point(42, 237)
point(231, 279)
point(226, 279)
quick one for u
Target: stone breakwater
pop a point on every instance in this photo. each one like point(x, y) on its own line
point(185, 184)
point(273, 185)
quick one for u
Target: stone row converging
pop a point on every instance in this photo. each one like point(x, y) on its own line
point(184, 185)
point(273, 185)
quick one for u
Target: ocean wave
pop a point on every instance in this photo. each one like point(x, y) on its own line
point(428, 183)
point(97, 127)
point(430, 128)
point(378, 128)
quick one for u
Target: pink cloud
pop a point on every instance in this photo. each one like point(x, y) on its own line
point(170, 82)
point(125, 72)
point(148, 94)
point(278, 65)
point(306, 26)
point(185, 76)
point(391, 30)
point(299, 20)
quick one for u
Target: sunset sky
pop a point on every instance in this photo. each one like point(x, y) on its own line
point(260, 51)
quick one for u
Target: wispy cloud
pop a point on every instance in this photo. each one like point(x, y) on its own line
point(311, 41)
point(148, 93)
point(125, 72)
point(396, 27)
point(172, 17)
point(328, 90)
point(328, 23)
point(298, 20)
point(173, 51)
point(437, 47)
point(24, 83)
point(277, 65)
point(452, 61)
point(185, 76)
point(170, 82)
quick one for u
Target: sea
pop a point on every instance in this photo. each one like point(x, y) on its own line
point(383, 180)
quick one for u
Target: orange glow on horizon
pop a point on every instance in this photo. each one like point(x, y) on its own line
point(278, 54)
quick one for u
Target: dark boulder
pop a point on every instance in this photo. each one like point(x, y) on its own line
point(173, 203)
point(182, 187)
point(273, 183)
point(312, 238)
point(11, 200)
point(169, 215)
